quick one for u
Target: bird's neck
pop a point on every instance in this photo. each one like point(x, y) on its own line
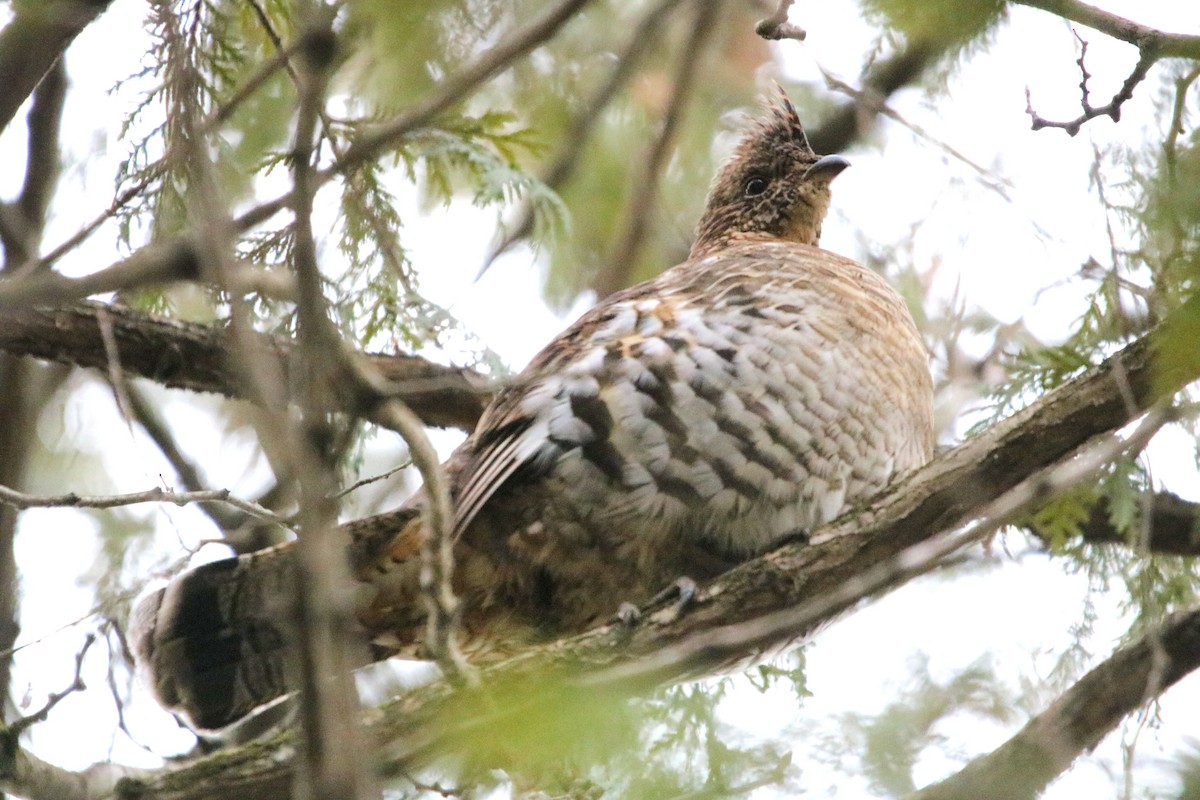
point(707, 245)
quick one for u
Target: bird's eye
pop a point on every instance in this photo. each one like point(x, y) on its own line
point(755, 187)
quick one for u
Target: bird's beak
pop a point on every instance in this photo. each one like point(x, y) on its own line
point(827, 168)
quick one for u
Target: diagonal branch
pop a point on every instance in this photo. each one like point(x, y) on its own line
point(33, 41)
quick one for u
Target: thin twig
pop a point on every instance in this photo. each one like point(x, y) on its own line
point(437, 546)
point(11, 497)
point(77, 685)
point(116, 378)
point(373, 479)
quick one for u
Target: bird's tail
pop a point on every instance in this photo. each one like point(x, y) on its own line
point(213, 644)
point(216, 642)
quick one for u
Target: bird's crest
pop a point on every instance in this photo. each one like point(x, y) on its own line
point(784, 120)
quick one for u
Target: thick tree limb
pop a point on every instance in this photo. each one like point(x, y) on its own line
point(186, 355)
point(559, 677)
point(1024, 765)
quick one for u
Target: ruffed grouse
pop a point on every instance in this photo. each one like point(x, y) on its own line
point(743, 397)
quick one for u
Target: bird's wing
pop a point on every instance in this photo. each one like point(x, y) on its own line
point(549, 408)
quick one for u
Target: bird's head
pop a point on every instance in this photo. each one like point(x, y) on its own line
point(773, 186)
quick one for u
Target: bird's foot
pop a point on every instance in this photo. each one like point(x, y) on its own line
point(683, 590)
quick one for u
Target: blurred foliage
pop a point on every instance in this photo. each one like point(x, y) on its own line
point(959, 21)
point(670, 744)
point(886, 747)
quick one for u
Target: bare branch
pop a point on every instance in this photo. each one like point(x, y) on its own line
point(17, 727)
point(42, 161)
point(374, 478)
point(1152, 45)
point(11, 497)
point(25, 775)
point(153, 265)
point(228, 519)
point(1146, 59)
point(437, 546)
point(331, 762)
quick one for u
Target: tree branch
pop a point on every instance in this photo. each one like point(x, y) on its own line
point(33, 41)
point(187, 355)
point(155, 264)
point(1152, 45)
point(329, 763)
point(1147, 57)
point(1165, 45)
point(1174, 526)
